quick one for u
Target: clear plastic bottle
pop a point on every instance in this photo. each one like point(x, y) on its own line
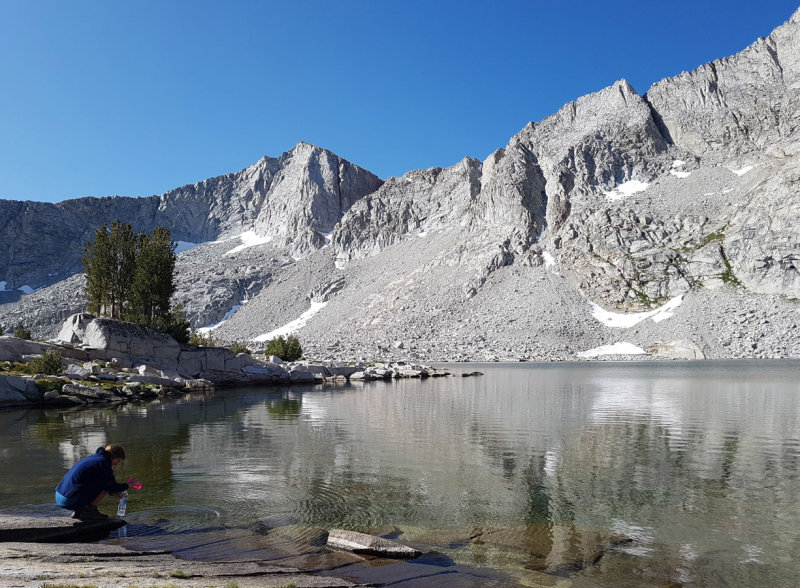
point(123, 504)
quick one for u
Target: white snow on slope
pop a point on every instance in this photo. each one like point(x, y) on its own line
point(185, 246)
point(249, 239)
point(675, 171)
point(742, 171)
point(625, 320)
point(293, 326)
point(549, 260)
point(229, 314)
point(620, 348)
point(626, 189)
point(24, 289)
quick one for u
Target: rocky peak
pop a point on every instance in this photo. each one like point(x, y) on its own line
point(737, 104)
point(308, 196)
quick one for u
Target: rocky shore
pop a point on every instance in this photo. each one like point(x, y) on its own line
point(106, 361)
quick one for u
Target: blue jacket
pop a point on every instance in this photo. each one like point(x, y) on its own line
point(90, 476)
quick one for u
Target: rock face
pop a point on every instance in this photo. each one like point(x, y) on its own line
point(619, 202)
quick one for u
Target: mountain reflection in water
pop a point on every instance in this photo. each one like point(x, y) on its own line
point(637, 474)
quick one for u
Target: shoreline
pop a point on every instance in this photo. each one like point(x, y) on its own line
point(230, 557)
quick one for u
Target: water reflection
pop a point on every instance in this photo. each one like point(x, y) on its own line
point(642, 473)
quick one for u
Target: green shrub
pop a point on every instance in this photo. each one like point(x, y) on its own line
point(46, 385)
point(176, 325)
point(201, 341)
point(178, 574)
point(288, 349)
point(48, 363)
point(22, 333)
point(240, 348)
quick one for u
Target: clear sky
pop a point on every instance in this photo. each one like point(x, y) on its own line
point(136, 97)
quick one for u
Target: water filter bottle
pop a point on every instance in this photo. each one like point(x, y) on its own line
point(123, 504)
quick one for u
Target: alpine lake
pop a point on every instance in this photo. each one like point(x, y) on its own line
point(577, 474)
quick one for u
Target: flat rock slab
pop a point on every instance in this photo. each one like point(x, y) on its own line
point(54, 529)
point(370, 545)
point(32, 565)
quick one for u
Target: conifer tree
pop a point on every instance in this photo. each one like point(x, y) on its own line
point(153, 283)
point(124, 247)
point(97, 262)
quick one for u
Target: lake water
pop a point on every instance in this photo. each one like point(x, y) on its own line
point(602, 474)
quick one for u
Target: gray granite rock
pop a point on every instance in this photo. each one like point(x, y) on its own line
point(15, 391)
point(370, 544)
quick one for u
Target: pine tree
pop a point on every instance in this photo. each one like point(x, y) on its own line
point(97, 262)
point(124, 246)
point(153, 283)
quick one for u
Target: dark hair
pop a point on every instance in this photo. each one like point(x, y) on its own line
point(114, 452)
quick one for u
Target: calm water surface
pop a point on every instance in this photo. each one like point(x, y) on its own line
point(607, 474)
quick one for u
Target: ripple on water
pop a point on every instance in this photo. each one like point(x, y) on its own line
point(172, 520)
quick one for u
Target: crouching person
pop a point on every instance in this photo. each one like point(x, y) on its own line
point(89, 481)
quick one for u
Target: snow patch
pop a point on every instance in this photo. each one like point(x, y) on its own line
point(626, 189)
point(249, 239)
point(742, 171)
point(293, 326)
point(549, 260)
point(229, 314)
point(422, 234)
point(26, 289)
point(185, 246)
point(620, 348)
point(3, 286)
point(328, 237)
point(678, 163)
point(626, 320)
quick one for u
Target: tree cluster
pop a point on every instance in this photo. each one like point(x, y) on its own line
point(130, 276)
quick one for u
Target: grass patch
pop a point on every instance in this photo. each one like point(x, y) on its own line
point(178, 574)
point(46, 385)
point(716, 236)
point(728, 277)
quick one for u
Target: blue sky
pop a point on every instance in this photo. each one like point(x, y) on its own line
point(135, 98)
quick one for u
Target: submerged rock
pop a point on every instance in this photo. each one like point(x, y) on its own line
point(370, 545)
